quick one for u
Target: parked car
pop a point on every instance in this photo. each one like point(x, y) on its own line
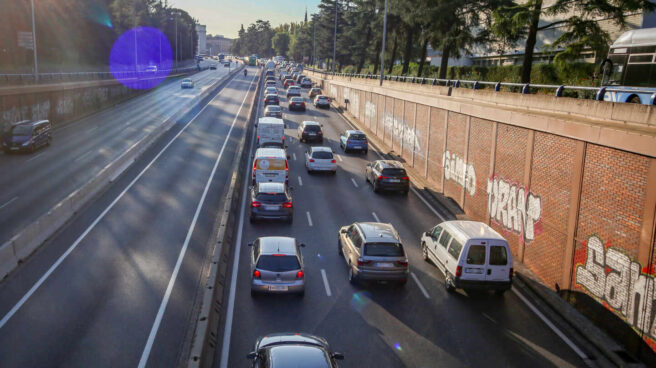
point(322, 101)
point(277, 266)
point(387, 175)
point(373, 251)
point(284, 350)
point(271, 91)
point(271, 100)
point(270, 165)
point(354, 140)
point(314, 92)
point(293, 91)
point(319, 158)
point(271, 201)
point(296, 103)
point(288, 83)
point(273, 111)
point(187, 83)
point(470, 254)
point(309, 131)
point(27, 136)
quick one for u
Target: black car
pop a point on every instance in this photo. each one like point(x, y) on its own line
point(27, 136)
point(300, 350)
point(270, 78)
point(273, 111)
point(296, 103)
point(387, 175)
point(271, 201)
point(310, 131)
point(271, 100)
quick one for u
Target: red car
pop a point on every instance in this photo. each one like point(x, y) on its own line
point(288, 83)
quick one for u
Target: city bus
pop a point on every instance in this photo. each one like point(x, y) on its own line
point(252, 60)
point(629, 72)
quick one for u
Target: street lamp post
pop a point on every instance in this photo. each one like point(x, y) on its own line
point(176, 38)
point(382, 54)
point(36, 62)
point(335, 37)
point(134, 14)
point(314, 41)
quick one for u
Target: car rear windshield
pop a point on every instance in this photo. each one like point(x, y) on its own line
point(498, 256)
point(312, 128)
point(272, 197)
point(325, 155)
point(383, 250)
point(358, 137)
point(297, 99)
point(278, 263)
point(476, 255)
point(394, 172)
point(322, 97)
point(273, 108)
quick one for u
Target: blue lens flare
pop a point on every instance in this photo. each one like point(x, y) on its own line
point(397, 346)
point(360, 300)
point(141, 58)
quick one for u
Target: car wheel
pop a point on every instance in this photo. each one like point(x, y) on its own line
point(366, 151)
point(339, 247)
point(253, 293)
point(301, 294)
point(402, 282)
point(405, 192)
point(500, 292)
point(252, 219)
point(424, 252)
point(351, 277)
point(290, 219)
point(448, 284)
point(48, 142)
point(376, 189)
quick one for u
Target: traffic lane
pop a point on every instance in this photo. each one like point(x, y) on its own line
point(76, 156)
point(115, 277)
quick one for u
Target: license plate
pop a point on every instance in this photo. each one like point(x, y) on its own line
point(312, 134)
point(357, 147)
point(271, 208)
point(269, 175)
point(384, 264)
point(14, 148)
point(394, 180)
point(474, 270)
point(277, 288)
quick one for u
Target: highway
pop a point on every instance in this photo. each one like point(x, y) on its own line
point(374, 325)
point(31, 184)
point(119, 285)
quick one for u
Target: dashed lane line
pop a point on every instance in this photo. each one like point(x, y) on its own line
point(325, 282)
point(309, 218)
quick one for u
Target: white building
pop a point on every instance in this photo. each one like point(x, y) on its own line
point(202, 42)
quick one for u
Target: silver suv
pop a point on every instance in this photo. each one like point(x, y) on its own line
point(277, 266)
point(373, 251)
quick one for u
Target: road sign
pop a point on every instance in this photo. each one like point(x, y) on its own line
point(25, 40)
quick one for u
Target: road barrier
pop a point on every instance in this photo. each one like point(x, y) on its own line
point(23, 244)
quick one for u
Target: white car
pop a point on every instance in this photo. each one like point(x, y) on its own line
point(187, 83)
point(320, 158)
point(271, 91)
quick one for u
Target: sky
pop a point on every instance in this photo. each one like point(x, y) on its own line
point(224, 17)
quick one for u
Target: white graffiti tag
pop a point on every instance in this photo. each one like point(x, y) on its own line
point(456, 169)
point(512, 206)
point(400, 128)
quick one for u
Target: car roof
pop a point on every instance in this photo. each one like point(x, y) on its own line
point(296, 98)
point(288, 337)
point(298, 356)
point(349, 132)
point(22, 122)
point(320, 149)
point(390, 164)
point(309, 122)
point(322, 96)
point(271, 95)
point(378, 231)
point(294, 87)
point(270, 187)
point(270, 152)
point(471, 230)
point(277, 245)
point(30, 123)
point(187, 79)
point(271, 120)
point(316, 88)
point(272, 107)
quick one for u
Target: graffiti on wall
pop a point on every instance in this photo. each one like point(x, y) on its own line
point(620, 283)
point(459, 171)
point(400, 128)
point(370, 111)
point(514, 207)
point(36, 111)
point(64, 105)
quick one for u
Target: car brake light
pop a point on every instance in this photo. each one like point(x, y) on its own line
point(299, 275)
point(303, 103)
point(458, 271)
point(405, 178)
point(287, 205)
point(348, 141)
point(286, 166)
point(333, 161)
point(366, 141)
point(311, 160)
point(511, 273)
point(319, 132)
point(402, 263)
point(382, 177)
point(256, 274)
point(278, 255)
point(258, 138)
point(362, 262)
point(256, 204)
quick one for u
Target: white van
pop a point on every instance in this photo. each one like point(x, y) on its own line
point(270, 165)
point(470, 254)
point(271, 132)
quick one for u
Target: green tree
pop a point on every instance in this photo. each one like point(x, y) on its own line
point(280, 43)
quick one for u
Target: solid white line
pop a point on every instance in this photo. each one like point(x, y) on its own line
point(300, 181)
point(339, 157)
point(309, 218)
point(294, 155)
point(79, 239)
point(176, 270)
point(555, 329)
point(427, 204)
point(375, 216)
point(225, 349)
point(421, 287)
point(3, 206)
point(35, 157)
point(325, 282)
point(354, 182)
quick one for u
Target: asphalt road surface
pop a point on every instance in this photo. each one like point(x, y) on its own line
point(119, 285)
point(31, 184)
point(375, 325)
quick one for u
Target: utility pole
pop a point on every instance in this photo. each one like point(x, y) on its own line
point(314, 41)
point(176, 38)
point(36, 62)
point(134, 14)
point(382, 53)
point(335, 37)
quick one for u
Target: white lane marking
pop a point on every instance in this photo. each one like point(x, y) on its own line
point(300, 181)
point(225, 350)
point(309, 218)
point(325, 282)
point(375, 216)
point(35, 157)
point(92, 129)
point(421, 287)
point(339, 157)
point(84, 155)
point(3, 206)
point(294, 155)
point(553, 328)
point(178, 264)
point(354, 182)
point(79, 239)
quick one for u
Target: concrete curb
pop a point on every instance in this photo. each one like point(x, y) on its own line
point(206, 336)
point(29, 239)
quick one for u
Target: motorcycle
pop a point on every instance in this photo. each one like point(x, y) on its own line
point(245, 72)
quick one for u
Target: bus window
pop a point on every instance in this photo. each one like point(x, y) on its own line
point(637, 75)
point(617, 71)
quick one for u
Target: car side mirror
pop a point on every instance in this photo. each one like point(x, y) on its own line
point(250, 244)
point(303, 245)
point(255, 125)
point(337, 356)
point(252, 355)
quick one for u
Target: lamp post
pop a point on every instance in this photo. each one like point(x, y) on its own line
point(314, 41)
point(335, 37)
point(175, 14)
point(382, 54)
point(36, 62)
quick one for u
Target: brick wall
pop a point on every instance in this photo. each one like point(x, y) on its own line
point(480, 148)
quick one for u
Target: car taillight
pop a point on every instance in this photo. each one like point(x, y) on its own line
point(287, 205)
point(348, 141)
point(256, 204)
point(299, 275)
point(302, 103)
point(458, 271)
point(333, 161)
point(366, 141)
point(362, 262)
point(405, 178)
point(511, 273)
point(256, 274)
point(258, 138)
point(286, 166)
point(382, 177)
point(311, 160)
point(319, 132)
point(402, 263)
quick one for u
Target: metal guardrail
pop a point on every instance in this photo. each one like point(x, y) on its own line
point(596, 93)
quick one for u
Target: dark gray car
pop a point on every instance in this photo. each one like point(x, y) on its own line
point(373, 251)
point(387, 175)
point(271, 201)
point(298, 350)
